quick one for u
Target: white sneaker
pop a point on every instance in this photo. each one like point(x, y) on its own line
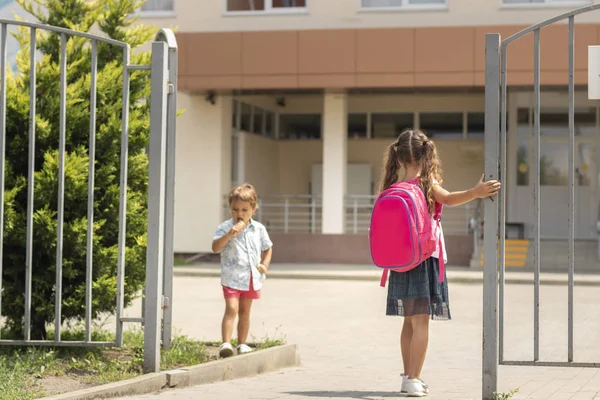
point(414, 388)
point(226, 350)
point(405, 378)
point(244, 348)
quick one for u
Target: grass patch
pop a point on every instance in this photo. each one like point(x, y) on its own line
point(28, 373)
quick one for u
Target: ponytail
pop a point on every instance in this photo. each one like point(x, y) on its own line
point(391, 168)
point(430, 173)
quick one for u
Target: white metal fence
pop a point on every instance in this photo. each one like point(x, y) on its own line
point(302, 214)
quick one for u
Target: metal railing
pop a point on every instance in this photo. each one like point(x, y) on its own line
point(302, 214)
point(495, 213)
point(159, 257)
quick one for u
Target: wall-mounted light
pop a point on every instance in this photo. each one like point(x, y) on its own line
point(280, 101)
point(210, 97)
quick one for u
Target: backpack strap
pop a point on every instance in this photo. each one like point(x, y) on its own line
point(384, 276)
point(442, 264)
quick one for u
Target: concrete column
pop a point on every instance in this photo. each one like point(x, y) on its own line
point(202, 171)
point(335, 135)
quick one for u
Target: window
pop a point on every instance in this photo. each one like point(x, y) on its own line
point(554, 165)
point(269, 124)
point(388, 125)
point(523, 163)
point(442, 124)
point(257, 121)
point(158, 6)
point(357, 125)
point(402, 4)
point(583, 173)
point(234, 114)
point(555, 122)
point(246, 117)
point(300, 126)
point(251, 6)
point(523, 122)
point(546, 2)
point(475, 125)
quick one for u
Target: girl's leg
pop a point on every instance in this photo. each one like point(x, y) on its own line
point(244, 320)
point(231, 310)
point(418, 346)
point(405, 343)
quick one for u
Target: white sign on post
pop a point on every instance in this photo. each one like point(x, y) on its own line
point(593, 72)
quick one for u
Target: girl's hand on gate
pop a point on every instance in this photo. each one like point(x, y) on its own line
point(486, 189)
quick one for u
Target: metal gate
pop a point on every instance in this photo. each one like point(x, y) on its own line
point(159, 254)
point(495, 168)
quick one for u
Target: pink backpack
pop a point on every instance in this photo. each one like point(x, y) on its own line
point(401, 235)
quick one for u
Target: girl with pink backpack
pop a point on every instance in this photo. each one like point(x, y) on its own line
point(419, 292)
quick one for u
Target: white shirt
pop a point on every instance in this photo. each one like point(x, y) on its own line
point(242, 254)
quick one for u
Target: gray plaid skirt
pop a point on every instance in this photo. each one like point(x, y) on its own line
point(419, 291)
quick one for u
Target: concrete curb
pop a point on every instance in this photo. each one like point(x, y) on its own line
point(467, 277)
point(246, 365)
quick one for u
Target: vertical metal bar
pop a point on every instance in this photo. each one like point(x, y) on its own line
point(502, 204)
point(170, 199)
point(91, 183)
point(156, 208)
point(30, 181)
point(490, 269)
point(355, 214)
point(3, 37)
point(313, 214)
point(61, 183)
point(286, 212)
point(123, 198)
point(571, 180)
point(536, 194)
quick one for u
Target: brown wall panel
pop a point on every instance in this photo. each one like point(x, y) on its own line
point(444, 79)
point(391, 57)
point(327, 52)
point(326, 81)
point(385, 50)
point(199, 83)
point(214, 53)
point(270, 53)
point(385, 80)
point(183, 49)
point(270, 82)
point(444, 49)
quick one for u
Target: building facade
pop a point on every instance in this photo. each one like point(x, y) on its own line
point(302, 97)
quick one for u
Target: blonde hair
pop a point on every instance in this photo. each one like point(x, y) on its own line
point(413, 147)
point(244, 192)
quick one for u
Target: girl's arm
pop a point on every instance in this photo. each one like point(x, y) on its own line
point(480, 191)
point(265, 260)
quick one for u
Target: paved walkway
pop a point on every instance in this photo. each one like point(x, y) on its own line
point(350, 349)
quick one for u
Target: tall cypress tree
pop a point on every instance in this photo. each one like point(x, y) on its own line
point(111, 18)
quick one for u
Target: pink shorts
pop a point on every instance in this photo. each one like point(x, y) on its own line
point(230, 293)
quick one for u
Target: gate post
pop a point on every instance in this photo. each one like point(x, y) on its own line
point(490, 268)
point(168, 36)
point(156, 208)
